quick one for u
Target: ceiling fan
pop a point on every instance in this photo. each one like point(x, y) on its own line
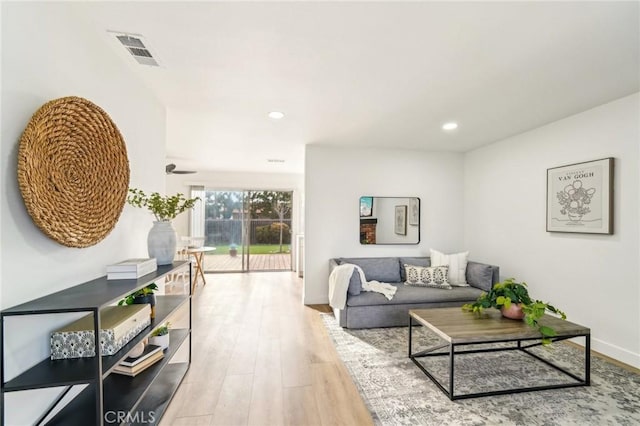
point(171, 170)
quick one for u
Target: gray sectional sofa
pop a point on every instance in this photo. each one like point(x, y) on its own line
point(370, 309)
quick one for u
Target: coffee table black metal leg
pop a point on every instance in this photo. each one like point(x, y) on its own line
point(410, 330)
point(452, 352)
point(587, 359)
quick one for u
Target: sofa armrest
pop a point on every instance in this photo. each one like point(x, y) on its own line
point(333, 263)
point(482, 275)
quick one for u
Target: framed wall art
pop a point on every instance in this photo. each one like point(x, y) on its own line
point(580, 197)
point(401, 220)
point(414, 211)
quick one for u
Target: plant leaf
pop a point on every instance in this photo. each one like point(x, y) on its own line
point(547, 331)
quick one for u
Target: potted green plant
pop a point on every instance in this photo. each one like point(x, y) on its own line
point(233, 250)
point(161, 241)
point(160, 336)
point(142, 296)
point(514, 302)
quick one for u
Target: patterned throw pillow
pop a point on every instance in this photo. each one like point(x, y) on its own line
point(434, 276)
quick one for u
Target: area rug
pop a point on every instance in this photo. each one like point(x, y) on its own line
point(396, 392)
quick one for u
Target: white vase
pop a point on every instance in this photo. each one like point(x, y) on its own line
point(162, 341)
point(161, 242)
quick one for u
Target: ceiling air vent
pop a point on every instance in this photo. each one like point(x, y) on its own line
point(138, 48)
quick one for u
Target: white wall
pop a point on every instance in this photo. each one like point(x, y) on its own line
point(46, 54)
point(594, 278)
point(336, 178)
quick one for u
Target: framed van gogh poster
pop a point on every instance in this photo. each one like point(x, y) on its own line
point(580, 197)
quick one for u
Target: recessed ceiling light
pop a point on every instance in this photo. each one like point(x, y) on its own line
point(275, 160)
point(450, 126)
point(276, 115)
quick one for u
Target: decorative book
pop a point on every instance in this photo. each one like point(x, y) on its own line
point(131, 269)
point(139, 368)
point(148, 351)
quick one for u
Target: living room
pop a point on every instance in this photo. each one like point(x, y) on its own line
point(488, 197)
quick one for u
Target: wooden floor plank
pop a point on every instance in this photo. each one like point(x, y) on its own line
point(300, 407)
point(260, 356)
point(190, 421)
point(233, 404)
point(332, 392)
point(266, 407)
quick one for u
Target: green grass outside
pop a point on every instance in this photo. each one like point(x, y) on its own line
point(254, 249)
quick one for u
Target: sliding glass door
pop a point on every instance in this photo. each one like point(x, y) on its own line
point(251, 230)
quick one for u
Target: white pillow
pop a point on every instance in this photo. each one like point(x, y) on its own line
point(435, 276)
point(457, 266)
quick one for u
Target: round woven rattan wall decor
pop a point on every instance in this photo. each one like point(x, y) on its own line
point(73, 171)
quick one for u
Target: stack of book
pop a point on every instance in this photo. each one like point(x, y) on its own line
point(131, 269)
point(134, 366)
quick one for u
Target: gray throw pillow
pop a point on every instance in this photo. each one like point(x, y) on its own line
point(480, 275)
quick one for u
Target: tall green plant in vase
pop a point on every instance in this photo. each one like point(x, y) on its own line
point(161, 241)
point(513, 300)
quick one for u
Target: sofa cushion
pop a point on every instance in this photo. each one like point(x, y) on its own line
point(407, 294)
point(480, 275)
point(383, 269)
point(417, 261)
point(457, 266)
point(429, 276)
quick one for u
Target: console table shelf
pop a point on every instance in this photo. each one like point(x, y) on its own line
point(93, 294)
point(152, 389)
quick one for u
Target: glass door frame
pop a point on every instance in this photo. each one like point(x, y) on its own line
point(246, 228)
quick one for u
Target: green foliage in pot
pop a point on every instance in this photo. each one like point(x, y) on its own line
point(163, 208)
point(505, 293)
point(129, 300)
point(162, 330)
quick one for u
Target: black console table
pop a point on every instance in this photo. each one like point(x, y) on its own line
point(107, 398)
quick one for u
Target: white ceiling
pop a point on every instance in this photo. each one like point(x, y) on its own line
point(369, 74)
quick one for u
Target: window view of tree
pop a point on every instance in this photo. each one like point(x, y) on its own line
point(273, 205)
point(223, 204)
point(267, 215)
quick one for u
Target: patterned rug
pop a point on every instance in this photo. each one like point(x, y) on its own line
point(398, 393)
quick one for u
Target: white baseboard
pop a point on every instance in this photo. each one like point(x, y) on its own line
point(315, 300)
point(616, 352)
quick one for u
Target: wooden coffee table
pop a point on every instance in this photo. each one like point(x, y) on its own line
point(460, 329)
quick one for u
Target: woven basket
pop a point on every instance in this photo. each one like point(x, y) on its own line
point(73, 171)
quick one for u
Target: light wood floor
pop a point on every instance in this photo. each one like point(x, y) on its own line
point(260, 357)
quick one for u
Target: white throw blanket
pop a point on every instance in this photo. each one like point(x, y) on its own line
point(339, 284)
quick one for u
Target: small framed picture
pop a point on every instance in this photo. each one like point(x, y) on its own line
point(414, 211)
point(580, 197)
point(401, 220)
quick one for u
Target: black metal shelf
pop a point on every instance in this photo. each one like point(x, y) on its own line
point(64, 372)
point(108, 391)
point(148, 412)
point(94, 294)
point(124, 393)
point(159, 396)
